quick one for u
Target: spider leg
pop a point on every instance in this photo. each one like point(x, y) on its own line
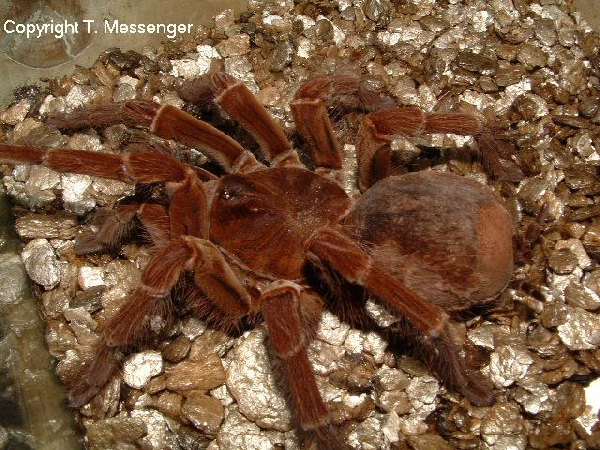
point(143, 167)
point(120, 225)
point(188, 214)
point(217, 279)
point(133, 114)
point(374, 137)
point(444, 361)
point(282, 309)
point(155, 220)
point(242, 106)
point(165, 121)
point(217, 294)
point(312, 121)
point(172, 123)
point(188, 207)
point(132, 324)
point(222, 300)
point(333, 248)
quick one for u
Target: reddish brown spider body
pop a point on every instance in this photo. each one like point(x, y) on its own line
point(268, 217)
point(468, 262)
point(423, 244)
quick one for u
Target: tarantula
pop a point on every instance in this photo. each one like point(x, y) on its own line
point(275, 242)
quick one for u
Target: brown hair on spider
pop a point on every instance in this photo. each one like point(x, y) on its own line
point(425, 245)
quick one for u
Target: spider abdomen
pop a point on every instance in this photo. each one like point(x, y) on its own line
point(265, 217)
point(445, 237)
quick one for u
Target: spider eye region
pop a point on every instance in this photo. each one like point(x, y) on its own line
point(230, 195)
point(235, 191)
point(240, 197)
point(237, 198)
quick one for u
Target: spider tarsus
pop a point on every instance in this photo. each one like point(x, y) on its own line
point(80, 395)
point(113, 232)
point(327, 438)
point(88, 244)
point(95, 375)
point(117, 227)
point(478, 390)
point(371, 101)
point(326, 86)
point(495, 157)
point(220, 82)
point(197, 90)
point(444, 359)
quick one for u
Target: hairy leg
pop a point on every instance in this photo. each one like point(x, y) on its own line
point(143, 167)
point(374, 137)
point(443, 360)
point(349, 303)
point(188, 207)
point(189, 203)
point(242, 106)
point(217, 279)
point(282, 309)
point(312, 121)
point(167, 122)
point(131, 325)
point(375, 133)
point(120, 224)
point(355, 264)
point(133, 114)
point(185, 252)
